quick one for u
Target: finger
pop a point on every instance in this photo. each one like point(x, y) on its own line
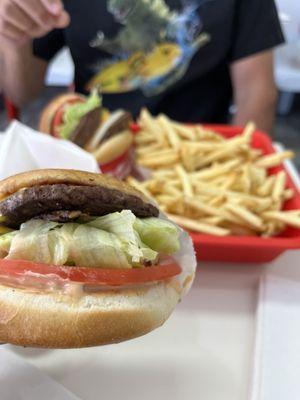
point(55, 7)
point(9, 30)
point(19, 19)
point(35, 10)
point(63, 20)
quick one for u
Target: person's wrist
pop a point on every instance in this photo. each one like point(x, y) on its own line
point(16, 49)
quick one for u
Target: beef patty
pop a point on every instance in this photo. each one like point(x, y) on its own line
point(92, 200)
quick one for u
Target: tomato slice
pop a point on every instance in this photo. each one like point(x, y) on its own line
point(58, 117)
point(57, 121)
point(91, 276)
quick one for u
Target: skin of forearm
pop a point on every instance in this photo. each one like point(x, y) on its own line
point(258, 105)
point(22, 74)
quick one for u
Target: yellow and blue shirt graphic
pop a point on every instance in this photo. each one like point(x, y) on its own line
point(151, 50)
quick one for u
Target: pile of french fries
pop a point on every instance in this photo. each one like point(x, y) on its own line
point(210, 184)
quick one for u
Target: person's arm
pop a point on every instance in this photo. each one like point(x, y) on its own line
point(22, 74)
point(255, 93)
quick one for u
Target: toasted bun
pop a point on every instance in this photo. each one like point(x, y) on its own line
point(56, 320)
point(113, 147)
point(63, 176)
point(49, 111)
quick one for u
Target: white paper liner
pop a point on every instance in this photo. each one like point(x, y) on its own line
point(23, 149)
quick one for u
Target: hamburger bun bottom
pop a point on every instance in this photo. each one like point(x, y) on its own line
point(57, 320)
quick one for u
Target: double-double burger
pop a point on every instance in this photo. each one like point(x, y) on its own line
point(85, 260)
point(84, 121)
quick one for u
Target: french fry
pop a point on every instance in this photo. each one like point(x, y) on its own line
point(273, 160)
point(197, 204)
point(215, 221)
point(272, 228)
point(288, 194)
point(247, 216)
point(172, 191)
point(215, 156)
point(229, 182)
point(160, 161)
point(203, 146)
point(217, 201)
point(239, 230)
point(246, 179)
point(166, 125)
point(253, 154)
point(139, 186)
point(267, 187)
point(186, 185)
point(206, 134)
point(212, 172)
point(145, 139)
point(198, 226)
point(279, 186)
point(248, 131)
point(154, 185)
point(183, 131)
point(159, 154)
point(286, 218)
point(148, 122)
point(175, 205)
point(166, 200)
point(164, 173)
point(140, 151)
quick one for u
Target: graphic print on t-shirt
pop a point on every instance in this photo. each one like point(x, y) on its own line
point(152, 49)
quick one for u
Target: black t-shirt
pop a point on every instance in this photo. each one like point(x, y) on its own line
point(170, 56)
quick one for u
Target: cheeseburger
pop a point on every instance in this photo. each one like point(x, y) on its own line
point(85, 260)
point(82, 120)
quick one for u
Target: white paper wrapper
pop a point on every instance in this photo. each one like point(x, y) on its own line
point(23, 149)
point(19, 380)
point(186, 258)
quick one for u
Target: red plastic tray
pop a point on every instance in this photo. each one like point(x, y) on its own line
point(244, 249)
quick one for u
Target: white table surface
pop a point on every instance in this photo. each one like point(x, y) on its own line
point(203, 350)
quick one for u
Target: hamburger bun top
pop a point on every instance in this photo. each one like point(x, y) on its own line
point(47, 115)
point(41, 177)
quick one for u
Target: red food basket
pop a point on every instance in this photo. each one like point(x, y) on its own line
point(248, 249)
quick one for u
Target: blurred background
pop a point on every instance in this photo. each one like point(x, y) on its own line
point(287, 74)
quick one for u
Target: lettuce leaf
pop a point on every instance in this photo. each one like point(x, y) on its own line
point(39, 241)
point(5, 243)
point(122, 225)
point(74, 113)
point(159, 234)
point(92, 247)
point(116, 240)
